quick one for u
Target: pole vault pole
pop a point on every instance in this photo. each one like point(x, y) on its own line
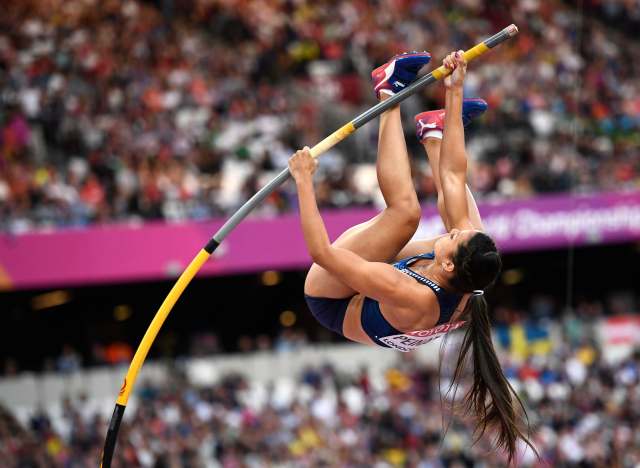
point(204, 254)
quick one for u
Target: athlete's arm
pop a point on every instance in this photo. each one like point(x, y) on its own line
point(433, 154)
point(302, 166)
point(453, 157)
point(377, 280)
point(474, 212)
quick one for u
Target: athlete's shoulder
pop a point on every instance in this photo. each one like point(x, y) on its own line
point(419, 303)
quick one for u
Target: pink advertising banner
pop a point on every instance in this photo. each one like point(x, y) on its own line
point(151, 251)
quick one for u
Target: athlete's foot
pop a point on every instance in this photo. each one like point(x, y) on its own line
point(431, 123)
point(399, 72)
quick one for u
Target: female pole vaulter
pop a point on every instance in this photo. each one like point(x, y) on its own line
point(375, 287)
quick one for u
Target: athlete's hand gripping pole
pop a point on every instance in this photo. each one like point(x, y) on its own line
point(195, 265)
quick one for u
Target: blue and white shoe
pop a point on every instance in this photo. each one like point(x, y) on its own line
point(399, 72)
point(434, 120)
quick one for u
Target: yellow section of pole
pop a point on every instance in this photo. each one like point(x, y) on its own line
point(333, 139)
point(469, 55)
point(164, 310)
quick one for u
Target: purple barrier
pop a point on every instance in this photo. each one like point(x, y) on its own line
point(121, 253)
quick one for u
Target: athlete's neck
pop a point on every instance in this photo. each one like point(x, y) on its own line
point(434, 272)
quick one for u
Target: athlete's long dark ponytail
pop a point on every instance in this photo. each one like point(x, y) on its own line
point(490, 397)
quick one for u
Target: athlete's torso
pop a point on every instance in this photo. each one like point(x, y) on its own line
point(369, 322)
point(447, 301)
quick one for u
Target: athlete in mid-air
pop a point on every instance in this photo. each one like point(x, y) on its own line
point(373, 286)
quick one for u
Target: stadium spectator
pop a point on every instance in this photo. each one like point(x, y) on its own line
point(344, 421)
point(583, 407)
point(69, 360)
point(128, 112)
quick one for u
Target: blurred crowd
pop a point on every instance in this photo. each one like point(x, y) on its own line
point(624, 13)
point(583, 408)
point(203, 343)
point(126, 110)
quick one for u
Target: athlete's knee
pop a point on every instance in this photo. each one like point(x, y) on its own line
point(408, 210)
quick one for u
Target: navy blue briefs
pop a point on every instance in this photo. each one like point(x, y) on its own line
point(328, 311)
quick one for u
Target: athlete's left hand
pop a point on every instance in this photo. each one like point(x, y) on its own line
point(455, 62)
point(302, 165)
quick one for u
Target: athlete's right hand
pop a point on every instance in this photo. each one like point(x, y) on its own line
point(302, 165)
point(455, 62)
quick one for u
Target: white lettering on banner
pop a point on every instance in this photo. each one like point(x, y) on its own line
point(527, 224)
point(571, 224)
point(499, 225)
point(409, 341)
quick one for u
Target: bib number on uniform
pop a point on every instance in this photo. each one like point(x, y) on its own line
point(409, 341)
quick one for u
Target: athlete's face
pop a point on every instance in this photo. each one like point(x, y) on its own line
point(446, 246)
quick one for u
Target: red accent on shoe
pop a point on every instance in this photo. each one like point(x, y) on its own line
point(427, 121)
point(381, 79)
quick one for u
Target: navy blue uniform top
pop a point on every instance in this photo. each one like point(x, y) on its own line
point(376, 326)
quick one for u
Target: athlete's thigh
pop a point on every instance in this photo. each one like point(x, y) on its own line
point(377, 240)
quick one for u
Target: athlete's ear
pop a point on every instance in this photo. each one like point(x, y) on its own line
point(448, 266)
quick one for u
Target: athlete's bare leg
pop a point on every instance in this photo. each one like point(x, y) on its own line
point(382, 237)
